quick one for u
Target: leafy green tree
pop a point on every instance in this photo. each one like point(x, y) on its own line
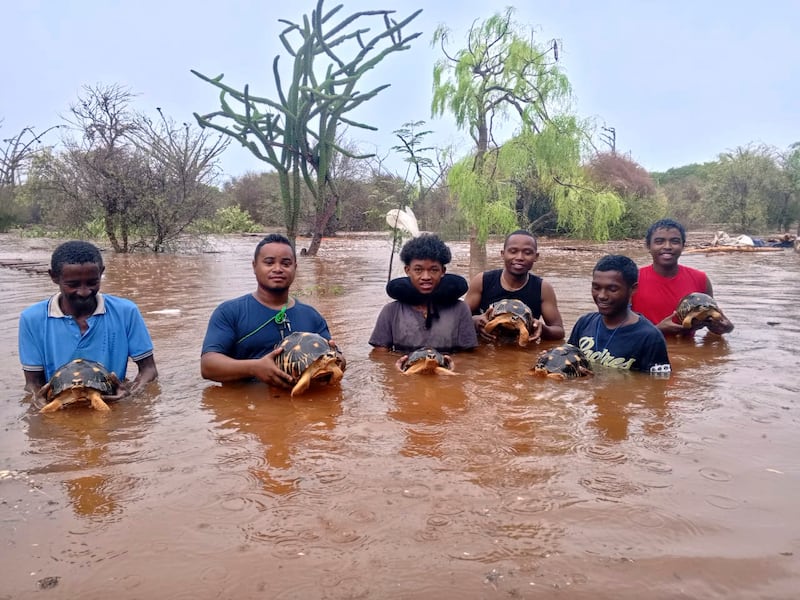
point(789, 203)
point(685, 188)
point(16, 155)
point(296, 134)
point(503, 74)
point(744, 188)
point(644, 202)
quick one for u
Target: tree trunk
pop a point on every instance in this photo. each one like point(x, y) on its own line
point(321, 223)
point(112, 235)
point(477, 252)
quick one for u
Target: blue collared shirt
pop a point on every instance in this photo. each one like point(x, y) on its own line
point(49, 339)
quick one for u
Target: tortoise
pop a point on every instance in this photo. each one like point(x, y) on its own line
point(562, 362)
point(79, 379)
point(512, 317)
point(427, 361)
point(697, 309)
point(309, 357)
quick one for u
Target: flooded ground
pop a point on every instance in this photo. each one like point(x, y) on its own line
point(491, 484)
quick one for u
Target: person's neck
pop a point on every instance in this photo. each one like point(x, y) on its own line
point(511, 282)
point(619, 319)
point(665, 271)
point(68, 310)
point(274, 300)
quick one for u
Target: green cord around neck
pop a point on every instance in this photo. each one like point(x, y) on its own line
point(279, 318)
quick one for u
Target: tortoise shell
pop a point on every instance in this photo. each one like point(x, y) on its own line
point(79, 379)
point(696, 308)
point(510, 319)
point(427, 361)
point(309, 357)
point(562, 362)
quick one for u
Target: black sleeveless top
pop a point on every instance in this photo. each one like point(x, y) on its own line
point(530, 294)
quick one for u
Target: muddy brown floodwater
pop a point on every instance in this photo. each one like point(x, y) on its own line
point(491, 484)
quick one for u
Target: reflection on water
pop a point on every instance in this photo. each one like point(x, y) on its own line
point(491, 483)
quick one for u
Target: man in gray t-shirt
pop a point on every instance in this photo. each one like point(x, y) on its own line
point(427, 311)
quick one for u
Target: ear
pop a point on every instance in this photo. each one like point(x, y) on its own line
point(53, 276)
point(406, 269)
point(444, 269)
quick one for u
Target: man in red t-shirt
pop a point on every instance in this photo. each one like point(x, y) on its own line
point(665, 282)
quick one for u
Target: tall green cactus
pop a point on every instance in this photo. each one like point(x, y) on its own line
point(296, 134)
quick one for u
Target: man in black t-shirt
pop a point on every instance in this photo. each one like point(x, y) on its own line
point(520, 251)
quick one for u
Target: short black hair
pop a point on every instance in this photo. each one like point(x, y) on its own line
point(617, 262)
point(274, 238)
point(521, 232)
point(427, 246)
point(74, 252)
point(664, 224)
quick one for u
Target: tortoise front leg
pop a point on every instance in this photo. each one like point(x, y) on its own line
point(52, 406)
point(97, 401)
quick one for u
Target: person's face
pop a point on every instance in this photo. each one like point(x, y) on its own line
point(665, 247)
point(275, 267)
point(519, 254)
point(78, 284)
point(610, 293)
point(425, 274)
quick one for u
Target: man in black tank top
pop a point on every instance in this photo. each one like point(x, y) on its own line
point(520, 251)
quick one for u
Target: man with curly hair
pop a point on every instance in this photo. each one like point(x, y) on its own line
point(427, 311)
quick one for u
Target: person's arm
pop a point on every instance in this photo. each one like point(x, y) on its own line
point(670, 326)
point(220, 367)
point(473, 301)
point(147, 373)
point(474, 292)
point(722, 325)
point(34, 380)
point(553, 326)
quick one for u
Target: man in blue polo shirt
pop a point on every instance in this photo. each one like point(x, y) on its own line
point(80, 322)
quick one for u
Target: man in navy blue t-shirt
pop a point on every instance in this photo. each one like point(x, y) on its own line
point(242, 333)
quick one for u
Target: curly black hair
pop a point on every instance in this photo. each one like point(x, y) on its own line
point(75, 252)
point(427, 246)
point(617, 262)
point(274, 238)
point(664, 224)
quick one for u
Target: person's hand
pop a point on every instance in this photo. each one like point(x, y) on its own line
point(449, 362)
point(480, 322)
point(401, 362)
point(535, 335)
point(720, 325)
point(124, 390)
point(269, 372)
point(669, 327)
point(39, 398)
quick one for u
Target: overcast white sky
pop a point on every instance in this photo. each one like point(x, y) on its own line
point(680, 81)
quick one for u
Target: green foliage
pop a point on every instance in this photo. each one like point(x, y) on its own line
point(486, 202)
point(10, 214)
point(229, 219)
point(586, 213)
point(745, 189)
point(503, 72)
point(638, 214)
point(642, 202)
